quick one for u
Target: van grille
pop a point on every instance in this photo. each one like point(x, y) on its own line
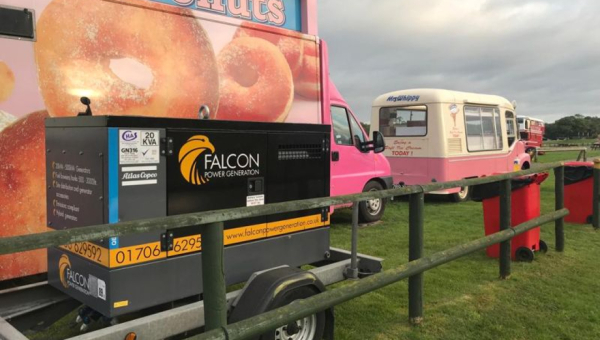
point(454, 146)
point(299, 152)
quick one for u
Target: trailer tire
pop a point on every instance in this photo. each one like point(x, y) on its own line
point(278, 287)
point(372, 210)
point(311, 327)
point(462, 196)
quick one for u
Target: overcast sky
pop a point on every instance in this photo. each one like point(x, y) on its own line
point(543, 54)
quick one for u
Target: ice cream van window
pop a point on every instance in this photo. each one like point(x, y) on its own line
point(483, 128)
point(403, 121)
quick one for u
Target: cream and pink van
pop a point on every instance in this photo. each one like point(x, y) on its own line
point(434, 135)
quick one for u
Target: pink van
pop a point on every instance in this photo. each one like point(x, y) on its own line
point(436, 135)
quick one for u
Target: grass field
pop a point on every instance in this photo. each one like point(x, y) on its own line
point(555, 297)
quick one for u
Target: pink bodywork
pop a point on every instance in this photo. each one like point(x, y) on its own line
point(426, 170)
point(354, 169)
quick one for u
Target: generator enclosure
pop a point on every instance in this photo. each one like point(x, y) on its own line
point(110, 169)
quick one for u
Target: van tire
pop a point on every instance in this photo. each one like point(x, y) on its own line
point(372, 210)
point(462, 196)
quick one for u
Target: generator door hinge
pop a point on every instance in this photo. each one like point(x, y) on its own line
point(324, 214)
point(325, 147)
point(167, 146)
point(166, 241)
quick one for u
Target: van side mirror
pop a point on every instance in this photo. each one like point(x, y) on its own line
point(376, 145)
point(378, 142)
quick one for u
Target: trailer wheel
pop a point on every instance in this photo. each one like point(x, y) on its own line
point(311, 327)
point(371, 210)
point(462, 196)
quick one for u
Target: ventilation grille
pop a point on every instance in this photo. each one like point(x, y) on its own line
point(300, 152)
point(454, 146)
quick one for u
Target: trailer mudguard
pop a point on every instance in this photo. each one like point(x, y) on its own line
point(263, 292)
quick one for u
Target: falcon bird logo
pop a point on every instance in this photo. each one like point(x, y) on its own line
point(63, 264)
point(189, 159)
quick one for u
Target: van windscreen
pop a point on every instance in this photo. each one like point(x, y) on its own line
point(403, 121)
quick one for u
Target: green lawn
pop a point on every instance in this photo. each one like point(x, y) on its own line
point(555, 297)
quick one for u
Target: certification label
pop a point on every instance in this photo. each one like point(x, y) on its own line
point(139, 147)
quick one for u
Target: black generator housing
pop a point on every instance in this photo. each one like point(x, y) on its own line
point(109, 169)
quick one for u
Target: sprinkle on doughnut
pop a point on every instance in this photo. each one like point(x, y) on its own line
point(256, 82)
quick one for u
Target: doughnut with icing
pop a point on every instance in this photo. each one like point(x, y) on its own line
point(22, 184)
point(256, 82)
point(78, 40)
point(307, 84)
point(291, 47)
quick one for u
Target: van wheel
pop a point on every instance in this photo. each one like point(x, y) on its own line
point(371, 210)
point(462, 196)
point(311, 327)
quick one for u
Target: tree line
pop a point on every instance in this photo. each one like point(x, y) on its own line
point(577, 126)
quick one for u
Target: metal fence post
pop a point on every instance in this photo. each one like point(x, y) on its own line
point(559, 203)
point(352, 272)
point(505, 221)
point(213, 276)
point(596, 200)
point(415, 252)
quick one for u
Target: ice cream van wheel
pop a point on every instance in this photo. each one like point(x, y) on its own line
point(462, 196)
point(543, 247)
point(524, 254)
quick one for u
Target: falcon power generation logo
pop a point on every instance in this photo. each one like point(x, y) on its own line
point(199, 162)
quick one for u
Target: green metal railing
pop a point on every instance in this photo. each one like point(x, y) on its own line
point(212, 259)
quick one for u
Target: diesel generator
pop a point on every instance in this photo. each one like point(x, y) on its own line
point(110, 169)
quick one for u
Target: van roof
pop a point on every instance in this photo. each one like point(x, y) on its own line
point(426, 96)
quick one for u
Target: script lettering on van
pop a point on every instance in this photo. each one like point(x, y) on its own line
point(403, 98)
point(405, 148)
point(271, 12)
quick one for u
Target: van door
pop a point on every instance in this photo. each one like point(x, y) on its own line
point(350, 168)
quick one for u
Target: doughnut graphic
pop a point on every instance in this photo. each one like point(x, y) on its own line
point(189, 156)
point(63, 264)
point(7, 81)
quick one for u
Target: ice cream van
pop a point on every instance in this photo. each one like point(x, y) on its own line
point(259, 61)
point(434, 135)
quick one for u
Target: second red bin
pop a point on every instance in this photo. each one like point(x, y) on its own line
point(579, 184)
point(525, 205)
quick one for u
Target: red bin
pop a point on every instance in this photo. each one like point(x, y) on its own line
point(579, 187)
point(525, 205)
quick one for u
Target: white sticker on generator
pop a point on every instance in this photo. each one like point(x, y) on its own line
point(252, 201)
point(139, 147)
point(101, 289)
